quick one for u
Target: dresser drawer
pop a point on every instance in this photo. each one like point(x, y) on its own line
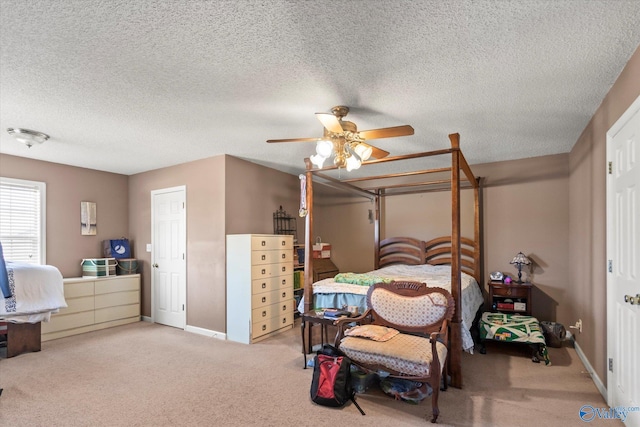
point(76, 305)
point(68, 321)
point(280, 309)
point(117, 298)
point(78, 289)
point(271, 242)
point(271, 257)
point(513, 292)
point(270, 270)
point(267, 298)
point(122, 284)
point(268, 284)
point(271, 324)
point(115, 313)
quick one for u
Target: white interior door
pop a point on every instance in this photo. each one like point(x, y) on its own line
point(168, 240)
point(623, 253)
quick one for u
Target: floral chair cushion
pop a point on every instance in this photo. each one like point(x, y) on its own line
point(405, 353)
point(409, 311)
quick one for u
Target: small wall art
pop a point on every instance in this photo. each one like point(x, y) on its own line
point(88, 222)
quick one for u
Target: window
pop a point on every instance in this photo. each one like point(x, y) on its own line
point(22, 220)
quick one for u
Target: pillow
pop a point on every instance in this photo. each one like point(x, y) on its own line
point(373, 332)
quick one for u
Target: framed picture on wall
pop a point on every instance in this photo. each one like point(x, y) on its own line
point(88, 222)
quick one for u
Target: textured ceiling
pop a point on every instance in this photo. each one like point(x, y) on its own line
point(132, 85)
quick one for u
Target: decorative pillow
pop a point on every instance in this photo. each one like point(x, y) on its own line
point(373, 332)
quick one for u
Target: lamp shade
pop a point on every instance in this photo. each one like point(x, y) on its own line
point(520, 259)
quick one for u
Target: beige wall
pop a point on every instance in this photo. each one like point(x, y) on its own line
point(67, 186)
point(225, 195)
point(205, 195)
point(526, 208)
point(587, 186)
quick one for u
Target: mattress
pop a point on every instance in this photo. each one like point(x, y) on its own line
point(37, 292)
point(329, 293)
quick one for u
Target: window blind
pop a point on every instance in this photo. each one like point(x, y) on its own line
point(22, 219)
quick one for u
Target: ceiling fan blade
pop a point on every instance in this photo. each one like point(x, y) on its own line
point(386, 132)
point(330, 122)
point(294, 140)
point(378, 153)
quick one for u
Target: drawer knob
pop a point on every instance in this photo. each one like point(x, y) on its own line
point(264, 257)
point(284, 256)
point(264, 243)
point(283, 243)
point(264, 327)
point(284, 281)
point(284, 307)
point(284, 294)
point(284, 320)
point(264, 299)
point(264, 271)
point(264, 286)
point(284, 268)
point(264, 314)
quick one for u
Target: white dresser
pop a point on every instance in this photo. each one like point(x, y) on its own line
point(95, 303)
point(260, 299)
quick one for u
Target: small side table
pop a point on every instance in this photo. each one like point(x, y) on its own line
point(518, 294)
point(312, 317)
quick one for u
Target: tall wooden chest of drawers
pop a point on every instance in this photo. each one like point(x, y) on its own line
point(260, 299)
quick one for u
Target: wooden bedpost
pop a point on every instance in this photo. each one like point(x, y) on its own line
point(456, 335)
point(477, 259)
point(308, 241)
point(376, 231)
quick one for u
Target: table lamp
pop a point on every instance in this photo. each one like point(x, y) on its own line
point(519, 260)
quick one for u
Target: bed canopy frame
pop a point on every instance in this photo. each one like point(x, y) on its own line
point(461, 253)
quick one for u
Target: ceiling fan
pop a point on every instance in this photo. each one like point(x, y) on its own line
point(342, 139)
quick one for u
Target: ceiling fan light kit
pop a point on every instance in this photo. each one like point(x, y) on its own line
point(342, 140)
point(28, 137)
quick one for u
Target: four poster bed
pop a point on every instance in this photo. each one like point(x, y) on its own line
point(451, 262)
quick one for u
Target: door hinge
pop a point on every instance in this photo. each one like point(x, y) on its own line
point(182, 307)
point(610, 266)
point(611, 364)
point(610, 168)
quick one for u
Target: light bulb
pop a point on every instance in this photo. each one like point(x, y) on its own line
point(353, 163)
point(324, 148)
point(363, 150)
point(317, 160)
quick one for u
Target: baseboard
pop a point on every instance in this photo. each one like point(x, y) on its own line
point(596, 379)
point(195, 330)
point(206, 332)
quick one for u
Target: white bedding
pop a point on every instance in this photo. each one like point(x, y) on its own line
point(432, 275)
point(37, 291)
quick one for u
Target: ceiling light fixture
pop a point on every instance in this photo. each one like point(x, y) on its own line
point(28, 137)
point(348, 151)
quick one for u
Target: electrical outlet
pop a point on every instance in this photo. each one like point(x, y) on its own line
point(578, 326)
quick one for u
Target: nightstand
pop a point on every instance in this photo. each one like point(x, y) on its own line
point(514, 298)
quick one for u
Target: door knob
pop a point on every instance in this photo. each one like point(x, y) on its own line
point(155, 265)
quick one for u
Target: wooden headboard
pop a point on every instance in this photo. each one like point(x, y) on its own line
point(407, 250)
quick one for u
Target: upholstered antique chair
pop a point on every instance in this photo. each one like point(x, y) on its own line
point(403, 334)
